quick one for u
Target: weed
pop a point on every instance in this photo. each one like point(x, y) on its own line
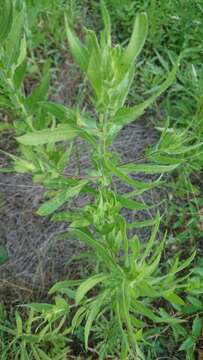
point(130, 295)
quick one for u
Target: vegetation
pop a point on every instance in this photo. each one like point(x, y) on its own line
point(137, 299)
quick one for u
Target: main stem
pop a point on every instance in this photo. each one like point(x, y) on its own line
point(102, 154)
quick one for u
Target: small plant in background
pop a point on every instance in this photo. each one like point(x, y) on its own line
point(41, 334)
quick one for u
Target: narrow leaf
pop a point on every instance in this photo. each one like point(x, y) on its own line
point(100, 250)
point(59, 111)
point(95, 308)
point(131, 204)
point(197, 327)
point(137, 40)
point(50, 206)
point(88, 285)
point(152, 237)
point(147, 168)
point(124, 116)
point(78, 50)
point(107, 22)
point(48, 136)
point(188, 344)
point(6, 18)
point(173, 298)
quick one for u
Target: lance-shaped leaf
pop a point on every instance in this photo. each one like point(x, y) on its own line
point(40, 92)
point(95, 63)
point(173, 298)
point(131, 204)
point(140, 308)
point(141, 224)
point(22, 52)
point(48, 136)
point(12, 44)
point(107, 23)
point(125, 115)
point(52, 205)
point(59, 111)
point(6, 18)
point(78, 50)
point(139, 186)
point(88, 284)
point(137, 40)
point(100, 249)
point(95, 309)
point(147, 168)
point(152, 238)
point(19, 74)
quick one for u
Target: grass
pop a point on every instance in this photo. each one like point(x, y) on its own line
point(101, 308)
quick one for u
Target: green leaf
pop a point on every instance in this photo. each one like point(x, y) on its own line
point(107, 23)
point(198, 271)
point(3, 255)
point(137, 40)
point(166, 318)
point(19, 74)
point(95, 308)
point(100, 249)
point(22, 52)
point(124, 347)
point(13, 41)
point(146, 290)
point(7, 330)
point(138, 185)
point(139, 335)
point(40, 92)
point(24, 354)
point(94, 65)
point(51, 205)
point(78, 50)
point(19, 323)
point(124, 304)
point(187, 344)
point(186, 263)
point(63, 286)
point(124, 116)
point(88, 285)
point(131, 204)
point(197, 327)
point(144, 310)
point(48, 136)
point(43, 355)
point(152, 237)
point(141, 224)
point(35, 353)
point(6, 18)
point(59, 111)
point(173, 298)
point(39, 307)
point(147, 168)
point(178, 330)
point(195, 302)
point(30, 338)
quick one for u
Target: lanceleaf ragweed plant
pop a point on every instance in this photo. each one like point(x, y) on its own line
point(128, 292)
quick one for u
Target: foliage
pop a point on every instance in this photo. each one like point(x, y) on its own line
point(41, 335)
point(131, 295)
